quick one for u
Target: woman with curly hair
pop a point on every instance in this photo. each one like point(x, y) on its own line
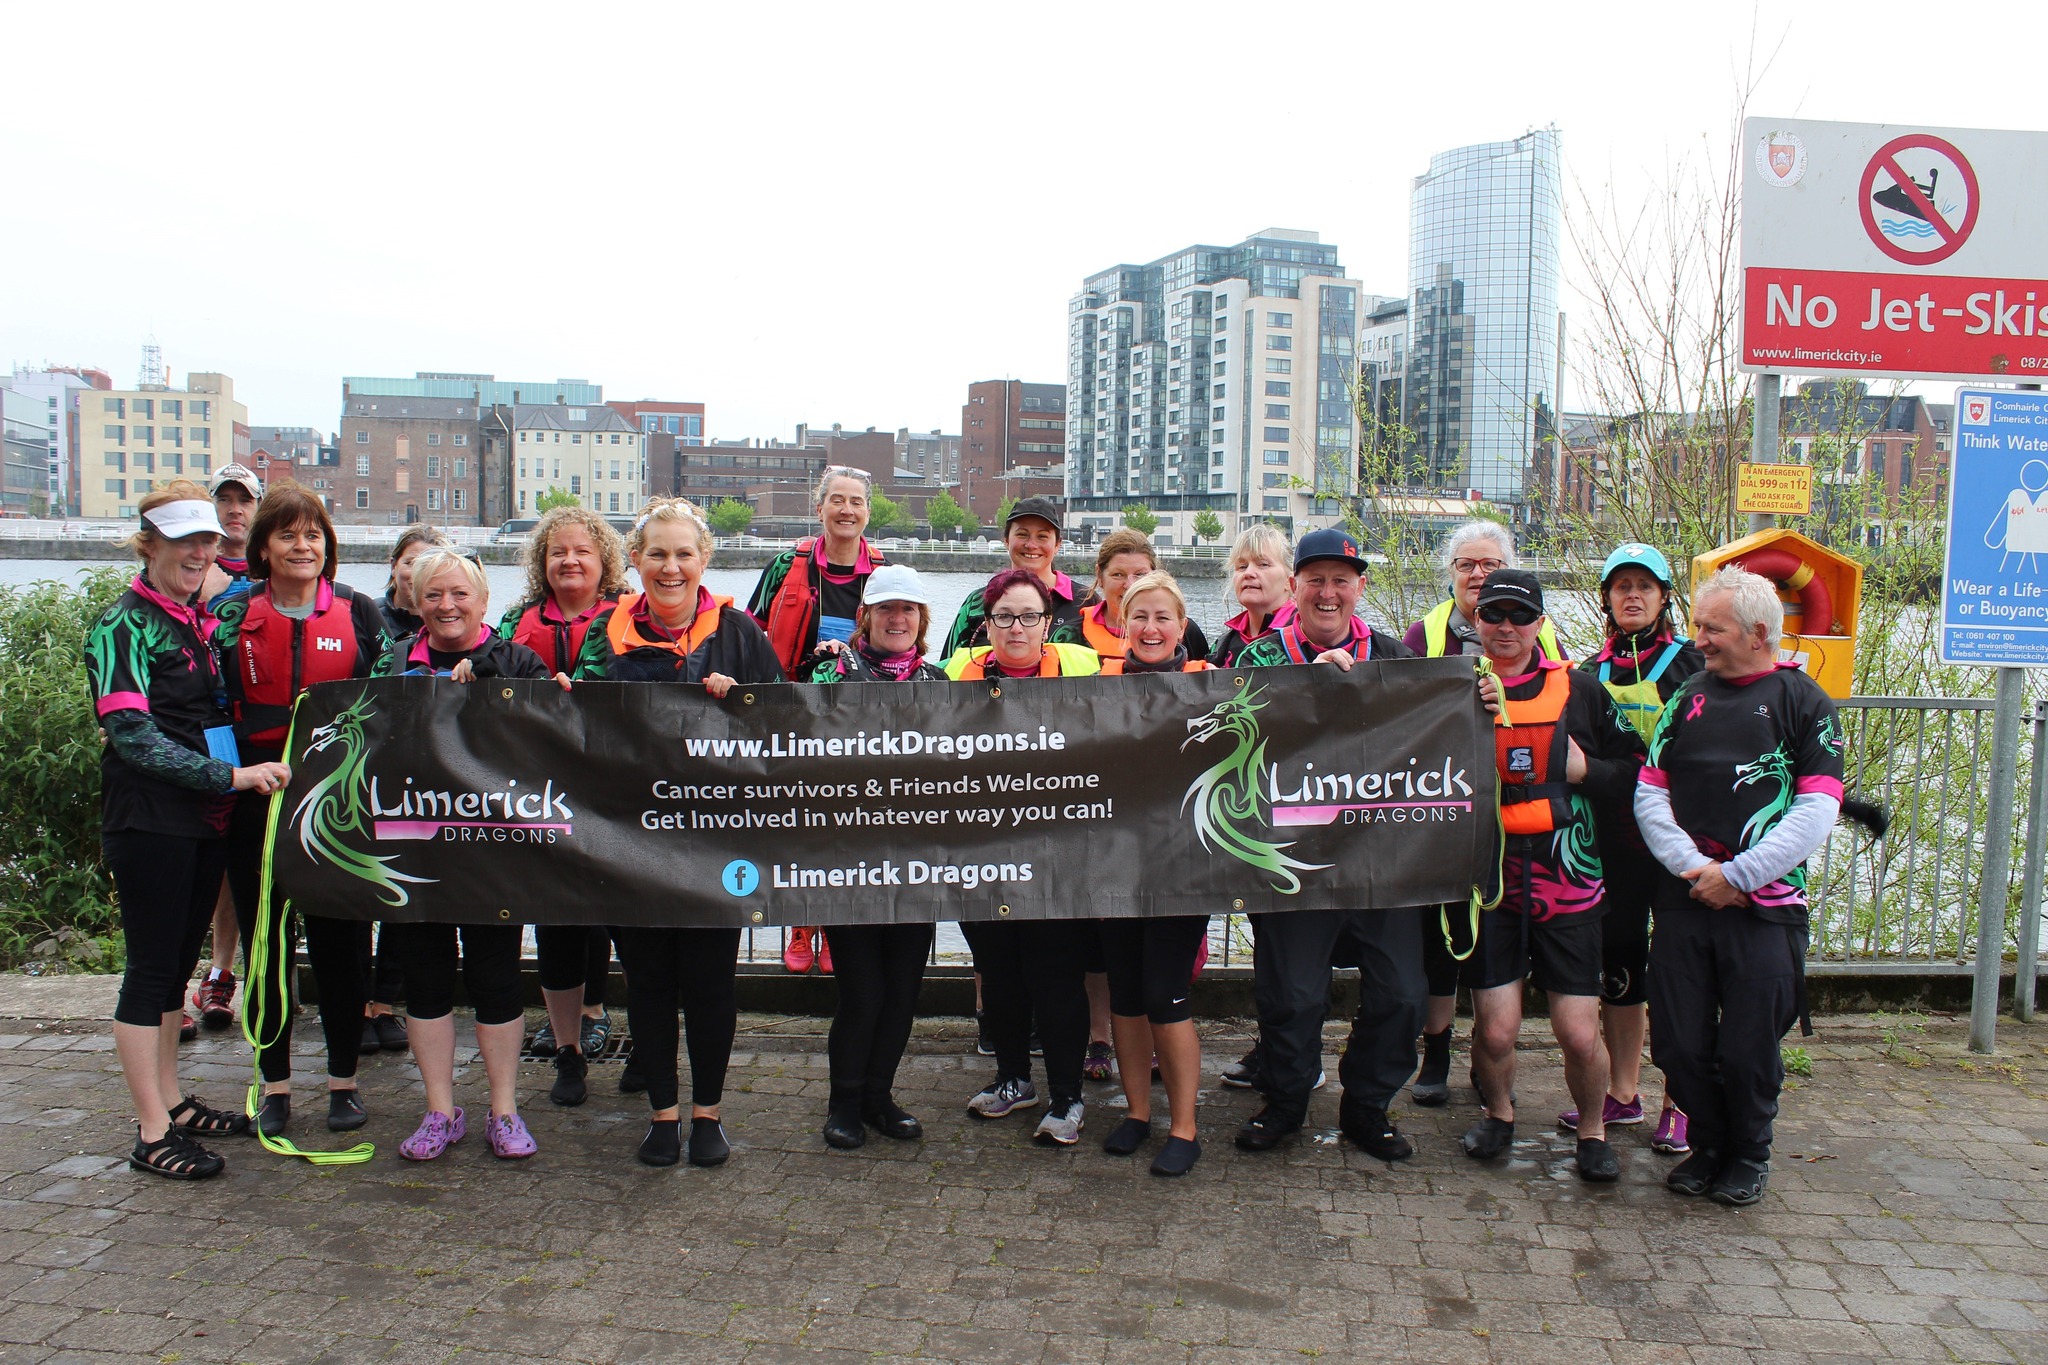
point(575, 568)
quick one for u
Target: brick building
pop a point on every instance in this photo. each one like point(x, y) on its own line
point(405, 458)
point(1012, 444)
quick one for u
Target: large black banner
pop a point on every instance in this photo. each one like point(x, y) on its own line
point(1201, 793)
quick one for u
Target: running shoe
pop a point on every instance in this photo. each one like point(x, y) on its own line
point(188, 1029)
point(571, 1085)
point(1612, 1112)
point(824, 953)
point(1097, 1065)
point(1243, 1073)
point(214, 999)
point(543, 1043)
point(797, 953)
point(391, 1032)
point(1670, 1135)
point(1061, 1126)
point(436, 1134)
point(509, 1139)
point(1004, 1098)
point(597, 1031)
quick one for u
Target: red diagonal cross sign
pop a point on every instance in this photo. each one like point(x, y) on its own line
point(1952, 235)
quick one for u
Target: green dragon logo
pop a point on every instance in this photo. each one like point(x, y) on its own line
point(1775, 766)
point(1226, 795)
point(337, 809)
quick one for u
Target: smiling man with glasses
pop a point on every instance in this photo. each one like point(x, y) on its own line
point(1558, 741)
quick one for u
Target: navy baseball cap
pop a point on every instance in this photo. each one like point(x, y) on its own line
point(1328, 544)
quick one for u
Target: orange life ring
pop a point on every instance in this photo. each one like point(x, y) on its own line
point(1788, 570)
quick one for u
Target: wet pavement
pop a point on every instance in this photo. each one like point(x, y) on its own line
point(1907, 1219)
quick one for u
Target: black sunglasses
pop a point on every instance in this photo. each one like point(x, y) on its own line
point(1515, 615)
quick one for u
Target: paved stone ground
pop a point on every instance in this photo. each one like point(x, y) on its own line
point(1907, 1219)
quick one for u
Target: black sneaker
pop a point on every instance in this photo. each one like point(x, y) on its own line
point(571, 1086)
point(1243, 1073)
point(708, 1143)
point(1696, 1174)
point(391, 1032)
point(1741, 1182)
point(370, 1044)
point(1596, 1161)
point(1265, 1130)
point(631, 1079)
point(1373, 1133)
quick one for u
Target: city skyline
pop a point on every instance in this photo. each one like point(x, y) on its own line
point(757, 264)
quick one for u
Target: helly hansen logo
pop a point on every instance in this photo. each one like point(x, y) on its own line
point(326, 644)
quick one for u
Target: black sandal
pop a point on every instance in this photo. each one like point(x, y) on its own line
point(174, 1157)
point(204, 1121)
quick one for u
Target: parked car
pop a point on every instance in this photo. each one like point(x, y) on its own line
point(515, 531)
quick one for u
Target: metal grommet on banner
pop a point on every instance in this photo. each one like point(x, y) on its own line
point(995, 691)
point(1237, 681)
point(747, 697)
point(1237, 904)
point(757, 917)
point(506, 694)
point(504, 914)
point(1002, 909)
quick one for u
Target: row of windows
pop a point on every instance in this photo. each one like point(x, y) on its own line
point(669, 423)
point(599, 505)
point(147, 436)
point(575, 437)
point(433, 438)
point(172, 409)
point(169, 462)
point(631, 469)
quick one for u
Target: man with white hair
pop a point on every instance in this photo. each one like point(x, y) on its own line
point(1743, 782)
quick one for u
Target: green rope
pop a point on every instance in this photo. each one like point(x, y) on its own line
point(1477, 903)
point(265, 958)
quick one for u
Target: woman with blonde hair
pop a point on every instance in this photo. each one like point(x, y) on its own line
point(168, 775)
point(1262, 582)
point(676, 631)
point(575, 567)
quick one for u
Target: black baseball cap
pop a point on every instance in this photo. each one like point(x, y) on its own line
point(1328, 544)
point(1042, 508)
point(1512, 585)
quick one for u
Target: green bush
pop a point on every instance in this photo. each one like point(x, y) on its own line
point(52, 876)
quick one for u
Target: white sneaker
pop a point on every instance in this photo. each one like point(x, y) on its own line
point(1061, 1126)
point(1004, 1097)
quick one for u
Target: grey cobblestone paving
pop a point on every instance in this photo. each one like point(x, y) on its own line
point(1907, 1220)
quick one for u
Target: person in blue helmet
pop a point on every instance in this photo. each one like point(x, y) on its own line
point(1642, 661)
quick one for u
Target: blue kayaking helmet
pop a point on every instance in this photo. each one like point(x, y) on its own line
point(1637, 555)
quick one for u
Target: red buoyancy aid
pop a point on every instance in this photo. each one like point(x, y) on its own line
point(792, 615)
point(558, 641)
point(1529, 756)
point(276, 658)
point(1113, 667)
point(1301, 650)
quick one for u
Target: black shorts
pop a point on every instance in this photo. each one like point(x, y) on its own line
point(1443, 971)
point(1631, 879)
point(1561, 954)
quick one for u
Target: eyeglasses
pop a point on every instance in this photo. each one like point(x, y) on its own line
point(1003, 620)
point(1480, 566)
point(1514, 616)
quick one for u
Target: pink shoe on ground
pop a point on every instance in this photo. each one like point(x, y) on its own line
point(509, 1139)
point(436, 1134)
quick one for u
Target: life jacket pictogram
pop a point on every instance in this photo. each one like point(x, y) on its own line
point(558, 640)
point(626, 636)
point(1301, 650)
point(792, 621)
point(1436, 634)
point(1096, 634)
point(1529, 756)
point(1640, 701)
point(277, 657)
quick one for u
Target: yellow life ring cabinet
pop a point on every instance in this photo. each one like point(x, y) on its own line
point(1822, 591)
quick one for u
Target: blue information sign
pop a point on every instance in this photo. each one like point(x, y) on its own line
point(1994, 584)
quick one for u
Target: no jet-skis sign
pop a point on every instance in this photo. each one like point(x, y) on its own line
point(1994, 582)
point(1885, 249)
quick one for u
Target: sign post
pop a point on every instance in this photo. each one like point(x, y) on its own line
point(1994, 611)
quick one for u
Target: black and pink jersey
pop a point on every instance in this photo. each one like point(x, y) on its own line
point(1734, 756)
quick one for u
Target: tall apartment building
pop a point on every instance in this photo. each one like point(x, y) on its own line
point(1485, 228)
point(129, 440)
point(1219, 379)
point(58, 390)
point(1013, 444)
point(590, 452)
point(24, 455)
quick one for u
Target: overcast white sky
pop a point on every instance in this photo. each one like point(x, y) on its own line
point(817, 213)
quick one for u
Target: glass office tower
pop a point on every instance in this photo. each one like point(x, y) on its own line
point(1485, 231)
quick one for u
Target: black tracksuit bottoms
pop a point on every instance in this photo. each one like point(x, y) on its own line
point(878, 969)
point(1291, 980)
point(691, 970)
point(1724, 989)
point(1035, 969)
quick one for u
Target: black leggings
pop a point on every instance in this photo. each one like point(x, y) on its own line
point(690, 970)
point(1151, 966)
point(167, 885)
point(573, 955)
point(490, 971)
point(385, 968)
point(878, 969)
point(335, 948)
point(1034, 970)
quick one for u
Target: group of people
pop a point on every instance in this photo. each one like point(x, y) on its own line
point(1688, 778)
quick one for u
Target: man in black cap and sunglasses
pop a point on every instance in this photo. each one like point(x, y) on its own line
point(1559, 743)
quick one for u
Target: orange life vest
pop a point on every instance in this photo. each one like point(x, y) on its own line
point(977, 665)
point(626, 635)
point(792, 615)
point(1096, 634)
point(1529, 756)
